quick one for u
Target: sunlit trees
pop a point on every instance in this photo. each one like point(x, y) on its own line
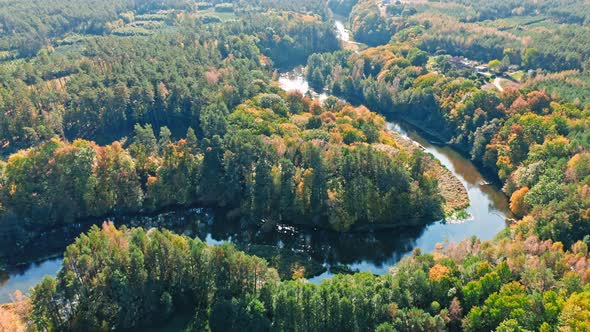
point(120, 278)
point(495, 65)
point(80, 96)
point(270, 165)
point(213, 120)
point(131, 294)
point(524, 137)
point(176, 180)
point(575, 315)
point(15, 316)
point(263, 156)
point(578, 167)
point(115, 186)
point(517, 204)
point(369, 26)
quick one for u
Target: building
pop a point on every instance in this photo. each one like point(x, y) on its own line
point(482, 69)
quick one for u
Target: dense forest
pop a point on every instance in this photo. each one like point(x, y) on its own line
point(182, 121)
point(166, 79)
point(539, 32)
point(277, 158)
point(117, 108)
point(536, 145)
point(28, 26)
point(121, 278)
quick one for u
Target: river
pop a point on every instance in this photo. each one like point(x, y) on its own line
point(341, 32)
point(374, 252)
point(488, 208)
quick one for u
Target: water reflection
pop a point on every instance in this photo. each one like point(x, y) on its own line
point(488, 205)
point(24, 277)
point(295, 80)
point(488, 202)
point(376, 250)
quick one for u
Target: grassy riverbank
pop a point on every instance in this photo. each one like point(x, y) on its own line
point(450, 187)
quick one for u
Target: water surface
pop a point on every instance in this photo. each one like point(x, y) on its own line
point(341, 32)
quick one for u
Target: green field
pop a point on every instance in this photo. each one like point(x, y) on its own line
point(222, 16)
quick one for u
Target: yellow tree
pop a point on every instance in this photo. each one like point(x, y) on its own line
point(517, 203)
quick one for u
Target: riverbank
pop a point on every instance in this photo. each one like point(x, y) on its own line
point(307, 249)
point(437, 138)
point(450, 187)
point(14, 316)
point(344, 35)
point(482, 208)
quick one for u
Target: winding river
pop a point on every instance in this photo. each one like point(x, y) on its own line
point(488, 210)
point(374, 252)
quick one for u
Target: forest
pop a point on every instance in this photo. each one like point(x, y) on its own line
point(535, 145)
point(516, 284)
point(113, 83)
point(126, 108)
point(332, 166)
point(541, 32)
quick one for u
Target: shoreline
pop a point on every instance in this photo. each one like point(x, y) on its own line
point(217, 212)
point(450, 187)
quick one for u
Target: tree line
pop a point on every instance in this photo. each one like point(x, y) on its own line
point(132, 278)
point(28, 27)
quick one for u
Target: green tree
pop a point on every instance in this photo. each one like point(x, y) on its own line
point(531, 58)
point(495, 65)
point(213, 120)
point(263, 189)
point(192, 141)
point(165, 138)
point(417, 57)
point(576, 312)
